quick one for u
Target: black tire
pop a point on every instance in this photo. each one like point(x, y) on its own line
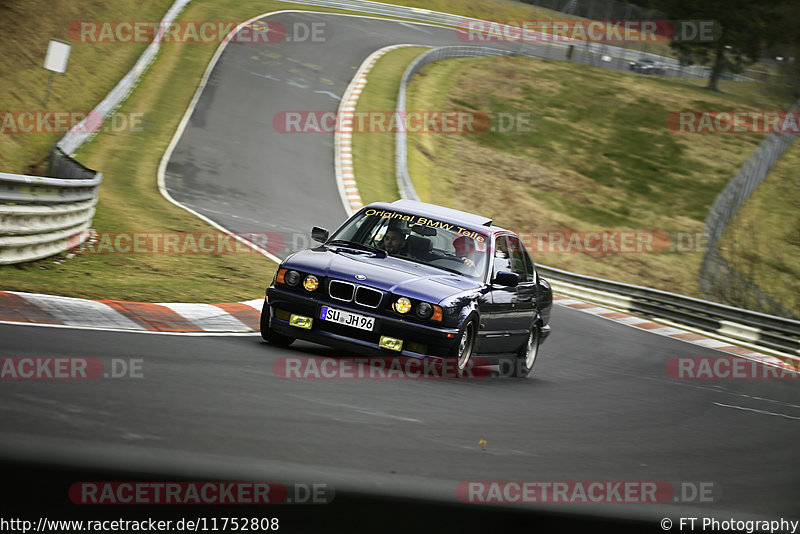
point(268, 335)
point(464, 347)
point(528, 353)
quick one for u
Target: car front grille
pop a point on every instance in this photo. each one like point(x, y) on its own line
point(341, 290)
point(368, 297)
point(347, 292)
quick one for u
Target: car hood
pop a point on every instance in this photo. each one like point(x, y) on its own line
point(386, 273)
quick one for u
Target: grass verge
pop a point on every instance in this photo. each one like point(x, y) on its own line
point(130, 201)
point(372, 151)
point(600, 157)
point(92, 70)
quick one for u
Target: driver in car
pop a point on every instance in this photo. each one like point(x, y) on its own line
point(394, 242)
point(398, 242)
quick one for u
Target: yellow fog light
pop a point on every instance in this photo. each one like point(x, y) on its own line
point(300, 321)
point(403, 305)
point(391, 343)
point(311, 283)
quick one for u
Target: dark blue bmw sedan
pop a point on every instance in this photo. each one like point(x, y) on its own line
point(417, 280)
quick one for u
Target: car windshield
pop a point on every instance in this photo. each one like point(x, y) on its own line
point(427, 240)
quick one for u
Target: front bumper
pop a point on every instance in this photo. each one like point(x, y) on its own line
point(419, 340)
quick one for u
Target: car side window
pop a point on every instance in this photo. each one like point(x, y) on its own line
point(520, 262)
point(502, 258)
point(529, 265)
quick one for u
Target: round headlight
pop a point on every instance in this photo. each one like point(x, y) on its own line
point(292, 278)
point(424, 310)
point(311, 283)
point(403, 305)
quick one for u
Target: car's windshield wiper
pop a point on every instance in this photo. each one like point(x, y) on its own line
point(356, 245)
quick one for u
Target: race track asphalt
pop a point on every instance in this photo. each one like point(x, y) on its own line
point(601, 405)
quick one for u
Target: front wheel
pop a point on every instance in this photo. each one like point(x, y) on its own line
point(464, 347)
point(268, 335)
point(526, 357)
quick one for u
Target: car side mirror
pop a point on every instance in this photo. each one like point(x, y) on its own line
point(319, 234)
point(505, 278)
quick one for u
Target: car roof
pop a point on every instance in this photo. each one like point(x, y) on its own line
point(463, 218)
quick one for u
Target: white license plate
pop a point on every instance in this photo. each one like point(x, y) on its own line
point(346, 318)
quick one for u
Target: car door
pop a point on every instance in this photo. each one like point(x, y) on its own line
point(526, 289)
point(498, 324)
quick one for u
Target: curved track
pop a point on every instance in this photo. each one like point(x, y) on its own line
point(231, 164)
point(601, 406)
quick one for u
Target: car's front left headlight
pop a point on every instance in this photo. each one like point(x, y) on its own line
point(311, 283)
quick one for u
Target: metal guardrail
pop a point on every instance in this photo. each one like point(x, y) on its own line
point(772, 332)
point(387, 10)
point(29, 219)
point(82, 132)
point(19, 249)
point(42, 216)
point(401, 142)
point(36, 189)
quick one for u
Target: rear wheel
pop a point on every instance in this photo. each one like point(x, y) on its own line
point(268, 335)
point(526, 357)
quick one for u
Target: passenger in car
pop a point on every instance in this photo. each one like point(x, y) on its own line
point(465, 250)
